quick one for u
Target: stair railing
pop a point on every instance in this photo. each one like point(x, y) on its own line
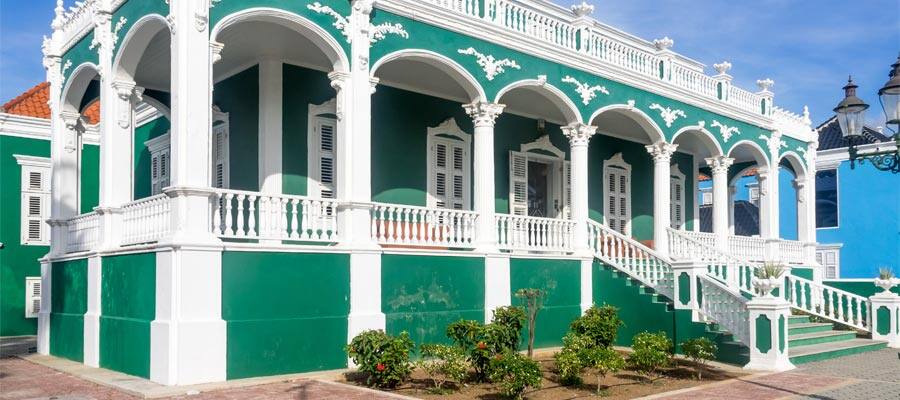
point(631, 257)
point(726, 307)
point(736, 273)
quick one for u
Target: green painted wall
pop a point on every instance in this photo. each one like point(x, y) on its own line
point(128, 305)
point(143, 133)
point(16, 260)
point(422, 294)
point(285, 312)
point(239, 97)
point(68, 298)
point(763, 334)
point(90, 178)
point(561, 282)
point(302, 87)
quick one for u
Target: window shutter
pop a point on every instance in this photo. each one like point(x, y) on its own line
point(35, 204)
point(32, 297)
point(325, 130)
point(518, 183)
point(617, 208)
point(567, 212)
point(676, 202)
point(220, 156)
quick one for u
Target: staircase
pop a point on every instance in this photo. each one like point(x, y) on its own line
point(813, 341)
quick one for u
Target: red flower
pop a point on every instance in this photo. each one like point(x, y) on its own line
point(481, 345)
point(380, 367)
point(498, 357)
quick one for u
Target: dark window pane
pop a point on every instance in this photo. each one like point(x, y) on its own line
point(826, 199)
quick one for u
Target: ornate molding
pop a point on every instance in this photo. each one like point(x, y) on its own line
point(668, 114)
point(483, 113)
point(128, 94)
point(586, 91)
point(66, 67)
point(582, 10)
point(375, 32)
point(774, 143)
point(719, 164)
point(765, 85)
point(491, 66)
point(723, 67)
point(118, 28)
point(726, 131)
point(661, 151)
point(663, 44)
point(578, 134)
point(215, 51)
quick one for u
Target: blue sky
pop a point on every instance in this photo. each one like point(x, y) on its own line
point(808, 47)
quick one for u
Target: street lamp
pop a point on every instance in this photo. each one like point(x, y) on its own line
point(851, 112)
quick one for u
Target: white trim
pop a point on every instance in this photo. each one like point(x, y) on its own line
point(32, 302)
point(716, 151)
point(224, 129)
point(822, 252)
point(568, 108)
point(643, 120)
point(617, 166)
point(440, 62)
point(39, 128)
point(458, 139)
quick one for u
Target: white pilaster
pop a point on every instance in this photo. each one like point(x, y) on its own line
point(365, 293)
point(662, 201)
point(92, 316)
point(696, 194)
point(43, 333)
point(579, 136)
point(719, 166)
point(773, 312)
point(587, 284)
point(484, 115)
point(497, 289)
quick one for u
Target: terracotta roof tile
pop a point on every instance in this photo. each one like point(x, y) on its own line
point(33, 103)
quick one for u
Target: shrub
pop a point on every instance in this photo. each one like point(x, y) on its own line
point(570, 361)
point(443, 363)
point(534, 301)
point(481, 342)
point(650, 352)
point(514, 373)
point(600, 324)
point(511, 318)
point(602, 360)
point(700, 351)
point(384, 358)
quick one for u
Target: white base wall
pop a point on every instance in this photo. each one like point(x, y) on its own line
point(92, 316)
point(496, 284)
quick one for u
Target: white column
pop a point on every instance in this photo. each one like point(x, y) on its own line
point(696, 194)
point(719, 166)
point(579, 136)
point(587, 284)
point(662, 188)
point(43, 332)
point(732, 190)
point(484, 115)
point(92, 316)
point(270, 125)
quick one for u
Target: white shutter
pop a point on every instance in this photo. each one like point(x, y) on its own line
point(617, 195)
point(676, 195)
point(518, 183)
point(35, 204)
point(567, 191)
point(324, 154)
point(220, 155)
point(32, 297)
point(160, 163)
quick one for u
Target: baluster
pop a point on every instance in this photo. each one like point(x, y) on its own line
point(239, 217)
point(251, 216)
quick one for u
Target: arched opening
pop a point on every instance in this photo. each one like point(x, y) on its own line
point(792, 199)
point(78, 164)
point(745, 194)
point(701, 145)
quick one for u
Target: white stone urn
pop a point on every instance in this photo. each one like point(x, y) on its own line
point(765, 286)
point(886, 284)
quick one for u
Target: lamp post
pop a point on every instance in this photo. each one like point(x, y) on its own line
point(851, 113)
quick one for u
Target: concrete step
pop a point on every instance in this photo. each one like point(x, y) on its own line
point(806, 339)
point(809, 327)
point(798, 319)
point(829, 350)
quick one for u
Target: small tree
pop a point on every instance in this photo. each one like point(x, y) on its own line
point(700, 351)
point(600, 324)
point(534, 301)
point(443, 363)
point(384, 358)
point(570, 361)
point(514, 373)
point(603, 360)
point(650, 352)
point(511, 319)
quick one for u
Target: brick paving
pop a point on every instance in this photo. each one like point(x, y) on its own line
point(21, 379)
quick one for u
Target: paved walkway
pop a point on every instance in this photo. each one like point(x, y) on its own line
point(867, 376)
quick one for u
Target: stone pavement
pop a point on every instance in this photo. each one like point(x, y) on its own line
point(866, 376)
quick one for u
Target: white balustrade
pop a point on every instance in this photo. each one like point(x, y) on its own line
point(394, 224)
point(828, 302)
point(146, 220)
point(83, 232)
point(700, 246)
point(252, 215)
point(747, 247)
point(726, 307)
point(630, 256)
point(516, 232)
point(467, 7)
point(791, 251)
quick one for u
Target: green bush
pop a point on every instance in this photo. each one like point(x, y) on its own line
point(600, 324)
point(515, 373)
point(570, 361)
point(443, 363)
point(511, 318)
point(650, 352)
point(384, 358)
point(602, 360)
point(481, 342)
point(700, 351)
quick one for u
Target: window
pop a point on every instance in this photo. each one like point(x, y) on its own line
point(827, 199)
point(617, 194)
point(160, 163)
point(706, 196)
point(830, 258)
point(32, 296)
point(540, 180)
point(676, 195)
point(322, 141)
point(220, 132)
point(35, 200)
point(753, 193)
point(449, 166)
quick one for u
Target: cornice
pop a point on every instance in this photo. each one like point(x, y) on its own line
point(38, 128)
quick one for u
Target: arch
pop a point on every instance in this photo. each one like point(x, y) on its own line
point(740, 174)
point(795, 161)
point(135, 44)
point(158, 105)
point(637, 115)
point(755, 150)
point(552, 93)
point(303, 26)
point(443, 63)
point(77, 84)
point(706, 138)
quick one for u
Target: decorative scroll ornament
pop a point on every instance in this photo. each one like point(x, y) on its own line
point(342, 23)
point(719, 164)
point(726, 131)
point(586, 91)
point(491, 66)
point(774, 143)
point(201, 16)
point(118, 28)
point(101, 36)
point(66, 67)
point(668, 114)
point(801, 151)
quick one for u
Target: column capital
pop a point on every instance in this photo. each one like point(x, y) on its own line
point(70, 118)
point(215, 51)
point(661, 151)
point(484, 113)
point(339, 80)
point(579, 134)
point(719, 164)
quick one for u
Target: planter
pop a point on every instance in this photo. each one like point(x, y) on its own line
point(886, 284)
point(765, 286)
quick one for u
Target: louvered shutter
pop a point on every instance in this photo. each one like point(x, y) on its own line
point(220, 156)
point(160, 163)
point(326, 129)
point(567, 183)
point(32, 297)
point(35, 204)
point(518, 183)
point(676, 202)
point(618, 199)
point(440, 174)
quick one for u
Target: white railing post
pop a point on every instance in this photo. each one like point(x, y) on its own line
point(885, 317)
point(110, 227)
point(686, 275)
point(769, 342)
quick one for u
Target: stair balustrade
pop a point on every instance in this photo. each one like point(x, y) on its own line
point(726, 307)
point(631, 257)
